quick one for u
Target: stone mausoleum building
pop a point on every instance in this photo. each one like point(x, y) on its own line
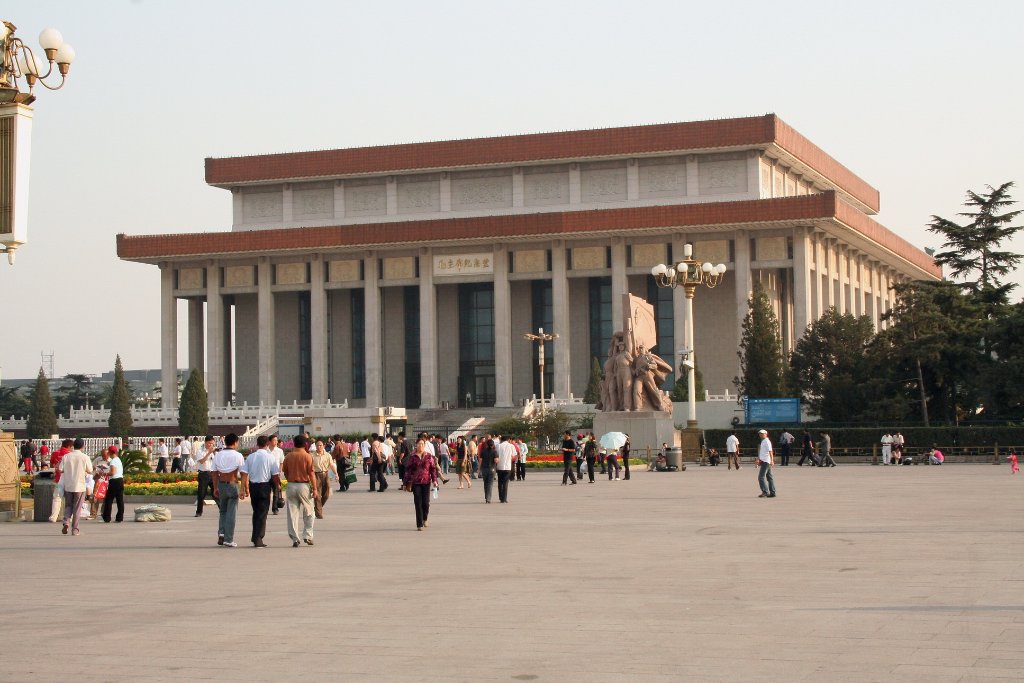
point(406, 275)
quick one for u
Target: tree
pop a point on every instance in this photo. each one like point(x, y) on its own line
point(194, 410)
point(1006, 384)
point(761, 363)
point(13, 402)
point(830, 363)
point(972, 250)
point(76, 391)
point(42, 421)
point(679, 389)
point(593, 392)
point(120, 420)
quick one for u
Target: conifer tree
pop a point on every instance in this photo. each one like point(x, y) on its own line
point(42, 421)
point(679, 389)
point(761, 363)
point(593, 393)
point(120, 420)
point(194, 411)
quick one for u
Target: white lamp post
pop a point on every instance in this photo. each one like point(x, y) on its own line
point(691, 274)
point(541, 338)
point(19, 65)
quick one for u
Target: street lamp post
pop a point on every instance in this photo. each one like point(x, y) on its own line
point(690, 274)
point(541, 338)
point(20, 70)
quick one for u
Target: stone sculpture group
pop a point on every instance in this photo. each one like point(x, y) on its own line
point(632, 374)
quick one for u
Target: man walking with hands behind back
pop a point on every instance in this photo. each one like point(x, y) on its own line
point(766, 458)
point(227, 464)
point(298, 470)
point(75, 465)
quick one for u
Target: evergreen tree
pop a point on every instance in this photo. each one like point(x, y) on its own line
point(972, 251)
point(679, 389)
point(830, 365)
point(593, 392)
point(42, 421)
point(194, 410)
point(120, 420)
point(761, 363)
point(12, 402)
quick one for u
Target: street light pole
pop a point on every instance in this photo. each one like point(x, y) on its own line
point(541, 338)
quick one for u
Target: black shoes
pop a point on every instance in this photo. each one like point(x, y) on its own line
point(295, 544)
point(260, 544)
point(309, 541)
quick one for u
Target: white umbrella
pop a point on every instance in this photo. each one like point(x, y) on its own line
point(613, 440)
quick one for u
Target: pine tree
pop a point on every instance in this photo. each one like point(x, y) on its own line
point(120, 420)
point(593, 393)
point(973, 249)
point(42, 421)
point(831, 364)
point(194, 410)
point(761, 363)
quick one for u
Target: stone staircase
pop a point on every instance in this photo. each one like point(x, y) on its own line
point(440, 420)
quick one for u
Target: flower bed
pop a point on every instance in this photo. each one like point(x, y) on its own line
point(151, 478)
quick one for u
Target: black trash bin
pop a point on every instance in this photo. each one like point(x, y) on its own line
point(43, 485)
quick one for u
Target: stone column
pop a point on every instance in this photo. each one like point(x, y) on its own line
point(833, 266)
point(168, 339)
point(195, 336)
point(318, 329)
point(428, 331)
point(873, 303)
point(801, 283)
point(678, 306)
point(842, 274)
point(560, 318)
point(215, 357)
point(502, 329)
point(620, 285)
point(742, 263)
point(820, 267)
point(374, 367)
point(266, 324)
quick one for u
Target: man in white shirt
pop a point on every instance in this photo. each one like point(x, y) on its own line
point(178, 455)
point(886, 448)
point(261, 475)
point(507, 453)
point(115, 487)
point(75, 466)
point(275, 450)
point(364, 449)
point(766, 458)
point(161, 456)
point(521, 461)
point(204, 467)
point(227, 464)
point(732, 450)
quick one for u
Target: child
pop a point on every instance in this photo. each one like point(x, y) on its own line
point(1013, 463)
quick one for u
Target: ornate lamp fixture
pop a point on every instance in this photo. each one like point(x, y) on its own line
point(691, 274)
point(540, 338)
point(21, 62)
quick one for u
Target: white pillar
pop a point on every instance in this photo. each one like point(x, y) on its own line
point(168, 338)
point(266, 331)
point(428, 331)
point(216, 388)
point(820, 267)
point(371, 306)
point(318, 329)
point(742, 266)
point(873, 303)
point(502, 329)
point(560, 317)
point(620, 284)
point(842, 271)
point(801, 283)
point(195, 336)
point(691, 374)
point(833, 266)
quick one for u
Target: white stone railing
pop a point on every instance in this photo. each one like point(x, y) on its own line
point(708, 396)
point(267, 426)
point(533, 404)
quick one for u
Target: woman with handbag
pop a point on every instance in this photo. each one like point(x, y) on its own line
point(421, 475)
point(463, 462)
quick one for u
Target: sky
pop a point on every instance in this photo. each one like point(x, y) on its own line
point(921, 99)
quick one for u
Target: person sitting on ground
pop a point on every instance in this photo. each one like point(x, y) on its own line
point(935, 456)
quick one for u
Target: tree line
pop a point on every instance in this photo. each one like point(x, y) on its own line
point(952, 350)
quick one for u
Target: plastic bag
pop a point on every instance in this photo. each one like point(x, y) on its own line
point(433, 492)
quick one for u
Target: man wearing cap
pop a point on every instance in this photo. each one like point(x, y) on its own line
point(115, 487)
point(766, 458)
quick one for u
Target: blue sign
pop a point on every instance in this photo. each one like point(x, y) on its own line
point(772, 410)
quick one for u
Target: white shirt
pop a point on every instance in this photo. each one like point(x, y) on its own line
point(75, 466)
point(364, 448)
point(261, 465)
point(176, 451)
point(161, 450)
point(228, 460)
point(523, 450)
point(116, 468)
point(430, 447)
point(185, 449)
point(506, 453)
point(732, 444)
point(764, 453)
point(278, 455)
point(204, 463)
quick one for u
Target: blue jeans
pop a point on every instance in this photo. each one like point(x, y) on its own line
point(446, 463)
point(228, 495)
point(765, 473)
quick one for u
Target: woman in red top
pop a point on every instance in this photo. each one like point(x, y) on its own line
point(421, 472)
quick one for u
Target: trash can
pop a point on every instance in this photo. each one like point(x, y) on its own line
point(675, 459)
point(43, 485)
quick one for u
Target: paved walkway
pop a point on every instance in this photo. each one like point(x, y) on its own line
point(856, 573)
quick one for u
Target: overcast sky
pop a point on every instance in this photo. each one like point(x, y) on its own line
point(921, 99)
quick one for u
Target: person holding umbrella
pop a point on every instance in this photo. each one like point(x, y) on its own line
point(613, 441)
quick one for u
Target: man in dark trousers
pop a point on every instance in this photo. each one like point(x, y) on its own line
point(807, 450)
point(261, 476)
point(488, 460)
point(402, 452)
point(590, 455)
point(568, 458)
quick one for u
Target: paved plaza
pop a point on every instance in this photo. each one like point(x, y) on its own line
point(856, 573)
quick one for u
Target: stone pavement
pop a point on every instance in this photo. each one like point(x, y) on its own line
point(856, 573)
